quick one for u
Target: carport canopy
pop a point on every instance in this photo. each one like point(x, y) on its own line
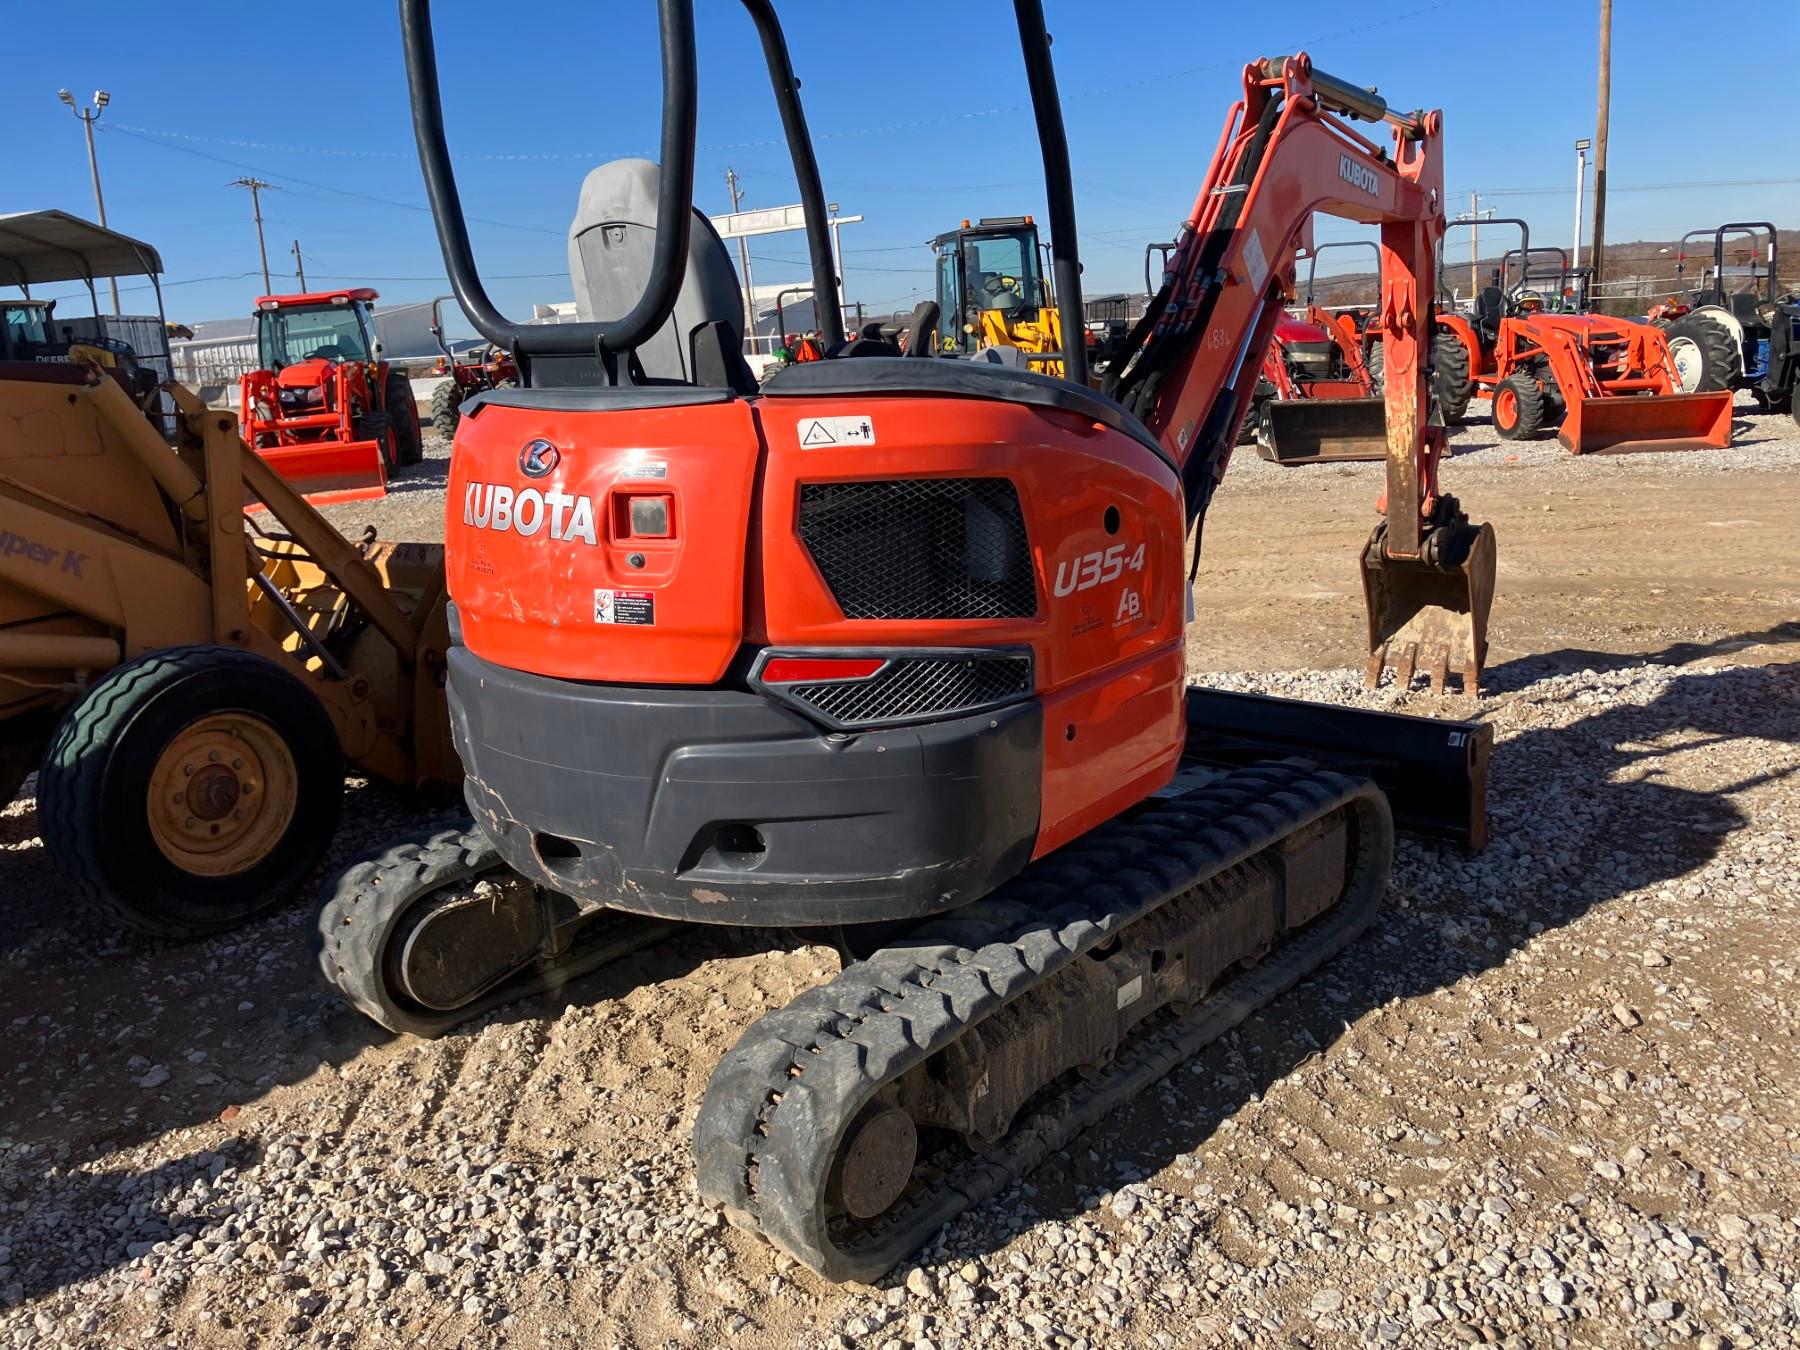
point(44, 246)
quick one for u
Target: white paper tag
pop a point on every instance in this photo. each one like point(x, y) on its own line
point(1256, 262)
point(820, 433)
point(1131, 991)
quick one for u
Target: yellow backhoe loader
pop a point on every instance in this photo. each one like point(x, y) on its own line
point(190, 683)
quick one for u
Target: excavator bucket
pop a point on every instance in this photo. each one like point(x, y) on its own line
point(1323, 430)
point(1624, 423)
point(330, 471)
point(1430, 617)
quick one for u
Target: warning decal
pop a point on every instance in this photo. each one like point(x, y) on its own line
point(633, 607)
point(1256, 262)
point(816, 433)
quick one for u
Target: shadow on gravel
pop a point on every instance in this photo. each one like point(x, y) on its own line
point(79, 1224)
point(1511, 676)
point(114, 1041)
point(1581, 816)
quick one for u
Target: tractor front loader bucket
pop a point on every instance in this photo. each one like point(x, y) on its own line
point(330, 471)
point(1323, 430)
point(1622, 423)
point(1430, 614)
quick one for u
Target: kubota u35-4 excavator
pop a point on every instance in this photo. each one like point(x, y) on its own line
point(898, 637)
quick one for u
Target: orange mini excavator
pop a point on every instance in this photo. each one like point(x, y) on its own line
point(893, 647)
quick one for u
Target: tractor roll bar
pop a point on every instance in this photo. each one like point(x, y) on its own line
point(806, 165)
point(1312, 264)
point(675, 194)
point(674, 198)
point(1059, 187)
point(1353, 100)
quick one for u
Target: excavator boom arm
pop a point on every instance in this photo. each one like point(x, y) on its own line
point(1288, 151)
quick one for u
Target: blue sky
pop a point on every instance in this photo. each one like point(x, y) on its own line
point(919, 112)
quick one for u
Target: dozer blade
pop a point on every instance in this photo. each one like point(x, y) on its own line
point(1624, 423)
point(1430, 616)
point(330, 471)
point(1323, 430)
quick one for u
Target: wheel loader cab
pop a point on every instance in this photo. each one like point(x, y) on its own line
point(988, 269)
point(24, 328)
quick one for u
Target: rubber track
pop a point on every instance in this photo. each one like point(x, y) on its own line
point(73, 764)
point(360, 905)
point(781, 1098)
point(361, 901)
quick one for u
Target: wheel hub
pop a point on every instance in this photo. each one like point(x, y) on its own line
point(1686, 354)
point(222, 794)
point(878, 1158)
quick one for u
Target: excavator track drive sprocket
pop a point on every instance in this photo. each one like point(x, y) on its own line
point(851, 1125)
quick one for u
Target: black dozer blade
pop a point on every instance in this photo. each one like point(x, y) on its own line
point(1433, 769)
point(1323, 430)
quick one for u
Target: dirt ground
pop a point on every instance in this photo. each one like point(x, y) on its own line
point(1551, 1101)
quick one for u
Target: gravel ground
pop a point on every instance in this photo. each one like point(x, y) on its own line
point(1552, 1099)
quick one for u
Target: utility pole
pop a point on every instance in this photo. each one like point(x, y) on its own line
point(1600, 140)
point(88, 117)
point(731, 180)
point(1581, 149)
point(299, 265)
point(257, 186)
point(1475, 244)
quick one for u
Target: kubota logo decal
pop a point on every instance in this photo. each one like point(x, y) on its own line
point(526, 511)
point(1358, 175)
point(538, 458)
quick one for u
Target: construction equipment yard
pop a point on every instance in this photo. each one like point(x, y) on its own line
point(1551, 1099)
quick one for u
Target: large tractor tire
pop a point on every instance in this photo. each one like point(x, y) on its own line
point(374, 426)
point(1706, 356)
point(446, 408)
point(1451, 379)
point(403, 415)
point(191, 790)
point(1520, 408)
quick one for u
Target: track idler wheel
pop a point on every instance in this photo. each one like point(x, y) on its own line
point(875, 1162)
point(1431, 613)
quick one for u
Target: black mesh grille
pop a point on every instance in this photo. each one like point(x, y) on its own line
point(912, 548)
point(921, 686)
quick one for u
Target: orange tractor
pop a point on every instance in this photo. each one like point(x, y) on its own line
point(1601, 384)
point(492, 368)
point(326, 412)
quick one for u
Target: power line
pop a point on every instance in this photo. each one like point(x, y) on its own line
point(1695, 185)
point(326, 187)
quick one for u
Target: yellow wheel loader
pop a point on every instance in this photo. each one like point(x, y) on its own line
point(188, 682)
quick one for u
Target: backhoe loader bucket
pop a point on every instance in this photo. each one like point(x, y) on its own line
point(1624, 423)
point(330, 471)
point(1430, 616)
point(1323, 430)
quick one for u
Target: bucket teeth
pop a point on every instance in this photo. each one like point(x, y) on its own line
point(1430, 616)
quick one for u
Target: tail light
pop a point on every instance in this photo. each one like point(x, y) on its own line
point(865, 689)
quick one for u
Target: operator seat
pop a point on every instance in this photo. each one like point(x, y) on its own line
point(610, 243)
point(1490, 307)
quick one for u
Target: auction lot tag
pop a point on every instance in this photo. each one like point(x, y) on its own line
point(818, 432)
point(633, 607)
